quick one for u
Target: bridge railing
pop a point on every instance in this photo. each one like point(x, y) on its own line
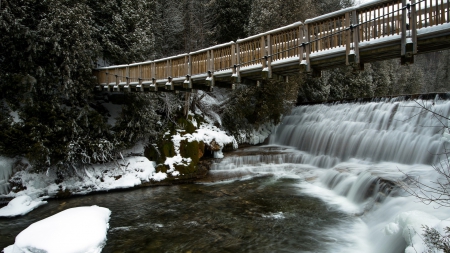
point(344, 30)
point(328, 32)
point(284, 42)
point(249, 52)
point(223, 57)
point(380, 20)
point(432, 12)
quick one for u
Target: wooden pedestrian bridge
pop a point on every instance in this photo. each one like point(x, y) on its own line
point(374, 31)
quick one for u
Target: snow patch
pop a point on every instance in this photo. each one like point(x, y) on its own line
point(20, 206)
point(75, 230)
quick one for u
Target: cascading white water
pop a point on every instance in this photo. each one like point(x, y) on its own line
point(351, 156)
point(5, 174)
point(398, 132)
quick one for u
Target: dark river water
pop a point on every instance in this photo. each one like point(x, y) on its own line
point(263, 214)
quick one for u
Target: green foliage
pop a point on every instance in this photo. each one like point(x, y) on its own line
point(48, 48)
point(230, 18)
point(186, 125)
point(125, 29)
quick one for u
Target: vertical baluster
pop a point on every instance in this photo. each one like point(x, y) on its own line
point(436, 13)
point(329, 33)
point(379, 23)
point(325, 35)
point(312, 37)
point(430, 12)
point(347, 37)
point(384, 20)
point(448, 11)
point(341, 35)
point(442, 11)
point(399, 18)
point(320, 37)
point(286, 44)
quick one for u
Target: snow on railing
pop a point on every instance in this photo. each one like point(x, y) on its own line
point(345, 29)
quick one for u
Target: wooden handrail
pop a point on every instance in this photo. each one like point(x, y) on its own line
point(338, 31)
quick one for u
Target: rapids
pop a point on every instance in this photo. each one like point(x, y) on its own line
point(354, 157)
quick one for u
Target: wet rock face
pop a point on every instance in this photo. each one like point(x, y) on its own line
point(214, 146)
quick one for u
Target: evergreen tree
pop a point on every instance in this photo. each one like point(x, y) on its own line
point(229, 19)
point(125, 29)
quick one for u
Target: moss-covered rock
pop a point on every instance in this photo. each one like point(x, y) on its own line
point(186, 125)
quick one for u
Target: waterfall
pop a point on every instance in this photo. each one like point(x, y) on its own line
point(5, 174)
point(400, 132)
point(352, 156)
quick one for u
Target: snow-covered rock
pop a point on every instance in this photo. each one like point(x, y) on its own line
point(21, 205)
point(410, 226)
point(75, 230)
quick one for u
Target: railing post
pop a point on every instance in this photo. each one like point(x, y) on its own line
point(153, 70)
point(210, 69)
point(140, 75)
point(266, 56)
point(303, 48)
point(106, 86)
point(113, 85)
point(169, 83)
point(187, 84)
point(236, 78)
point(269, 55)
point(307, 48)
point(407, 49)
point(413, 25)
point(348, 37)
point(355, 38)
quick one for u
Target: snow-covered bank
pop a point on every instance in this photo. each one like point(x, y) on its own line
point(76, 230)
point(21, 205)
point(124, 173)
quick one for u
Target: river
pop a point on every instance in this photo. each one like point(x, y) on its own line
point(326, 183)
